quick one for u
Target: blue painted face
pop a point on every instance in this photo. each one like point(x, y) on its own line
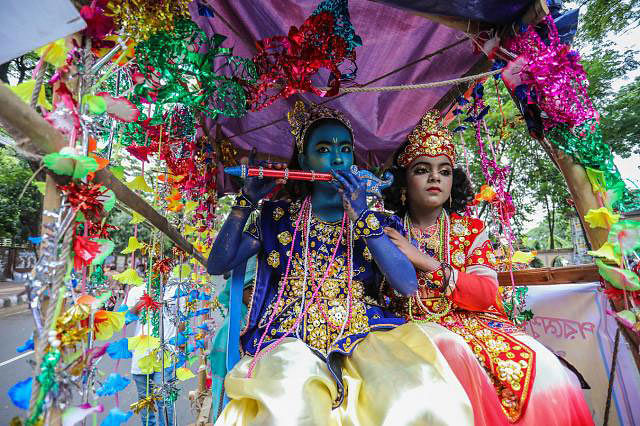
point(330, 147)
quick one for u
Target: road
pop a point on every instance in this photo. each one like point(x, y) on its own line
point(16, 325)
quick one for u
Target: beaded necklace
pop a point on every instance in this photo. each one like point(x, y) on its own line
point(442, 252)
point(306, 213)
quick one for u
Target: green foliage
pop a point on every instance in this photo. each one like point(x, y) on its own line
point(539, 237)
point(19, 218)
point(605, 17)
point(121, 236)
point(621, 120)
point(604, 65)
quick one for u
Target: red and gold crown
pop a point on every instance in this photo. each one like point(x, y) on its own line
point(430, 139)
point(301, 118)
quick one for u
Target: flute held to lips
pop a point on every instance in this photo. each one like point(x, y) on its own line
point(245, 171)
point(374, 183)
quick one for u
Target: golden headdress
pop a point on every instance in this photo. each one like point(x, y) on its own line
point(301, 118)
point(430, 139)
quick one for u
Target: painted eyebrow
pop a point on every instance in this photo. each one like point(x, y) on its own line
point(424, 163)
point(343, 142)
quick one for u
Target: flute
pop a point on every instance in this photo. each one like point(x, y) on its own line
point(374, 184)
point(286, 174)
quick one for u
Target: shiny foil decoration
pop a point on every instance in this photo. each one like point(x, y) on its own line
point(139, 19)
point(555, 79)
point(85, 197)
point(584, 143)
point(286, 64)
point(177, 67)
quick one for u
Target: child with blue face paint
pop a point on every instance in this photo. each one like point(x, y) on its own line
point(321, 259)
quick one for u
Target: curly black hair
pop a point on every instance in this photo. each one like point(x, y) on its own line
point(295, 189)
point(461, 190)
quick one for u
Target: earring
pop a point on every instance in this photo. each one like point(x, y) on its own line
point(450, 203)
point(403, 196)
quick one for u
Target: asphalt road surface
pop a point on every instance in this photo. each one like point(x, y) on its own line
point(16, 326)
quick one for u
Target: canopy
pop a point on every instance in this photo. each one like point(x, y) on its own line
point(392, 38)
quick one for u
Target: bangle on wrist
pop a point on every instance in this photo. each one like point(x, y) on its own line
point(367, 225)
point(446, 280)
point(243, 203)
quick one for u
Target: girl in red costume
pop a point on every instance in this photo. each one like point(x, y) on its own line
point(508, 376)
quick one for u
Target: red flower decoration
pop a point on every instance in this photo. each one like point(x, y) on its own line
point(85, 250)
point(163, 266)
point(101, 230)
point(148, 302)
point(289, 62)
point(142, 152)
point(84, 197)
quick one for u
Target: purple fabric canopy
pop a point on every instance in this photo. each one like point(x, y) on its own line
point(489, 11)
point(391, 38)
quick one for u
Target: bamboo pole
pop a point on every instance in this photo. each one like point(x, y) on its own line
point(581, 193)
point(25, 123)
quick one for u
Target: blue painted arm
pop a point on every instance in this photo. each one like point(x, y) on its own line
point(395, 266)
point(232, 246)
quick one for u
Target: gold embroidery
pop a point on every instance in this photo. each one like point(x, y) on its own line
point(278, 213)
point(284, 238)
point(367, 254)
point(332, 296)
point(372, 222)
point(459, 228)
point(274, 259)
point(458, 258)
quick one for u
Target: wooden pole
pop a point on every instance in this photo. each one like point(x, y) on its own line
point(581, 193)
point(25, 123)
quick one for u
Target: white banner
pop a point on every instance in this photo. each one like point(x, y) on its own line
point(571, 320)
point(28, 24)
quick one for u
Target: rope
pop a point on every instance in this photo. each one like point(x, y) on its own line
point(424, 58)
point(417, 86)
point(612, 375)
point(36, 89)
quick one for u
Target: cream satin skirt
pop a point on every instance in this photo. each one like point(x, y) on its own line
point(395, 377)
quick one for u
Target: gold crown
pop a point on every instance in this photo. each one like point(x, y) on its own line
point(301, 118)
point(430, 139)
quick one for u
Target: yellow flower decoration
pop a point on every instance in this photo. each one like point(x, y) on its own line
point(133, 245)
point(25, 89)
point(153, 363)
point(182, 271)
point(188, 230)
point(597, 180)
point(130, 276)
point(136, 218)
point(143, 343)
point(184, 373)
point(105, 323)
point(601, 218)
point(140, 184)
point(607, 251)
point(54, 53)
point(487, 193)
point(190, 206)
point(522, 257)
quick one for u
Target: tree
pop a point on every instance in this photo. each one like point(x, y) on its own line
point(605, 17)
point(621, 120)
point(19, 216)
point(19, 69)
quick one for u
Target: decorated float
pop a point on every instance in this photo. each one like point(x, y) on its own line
point(150, 101)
